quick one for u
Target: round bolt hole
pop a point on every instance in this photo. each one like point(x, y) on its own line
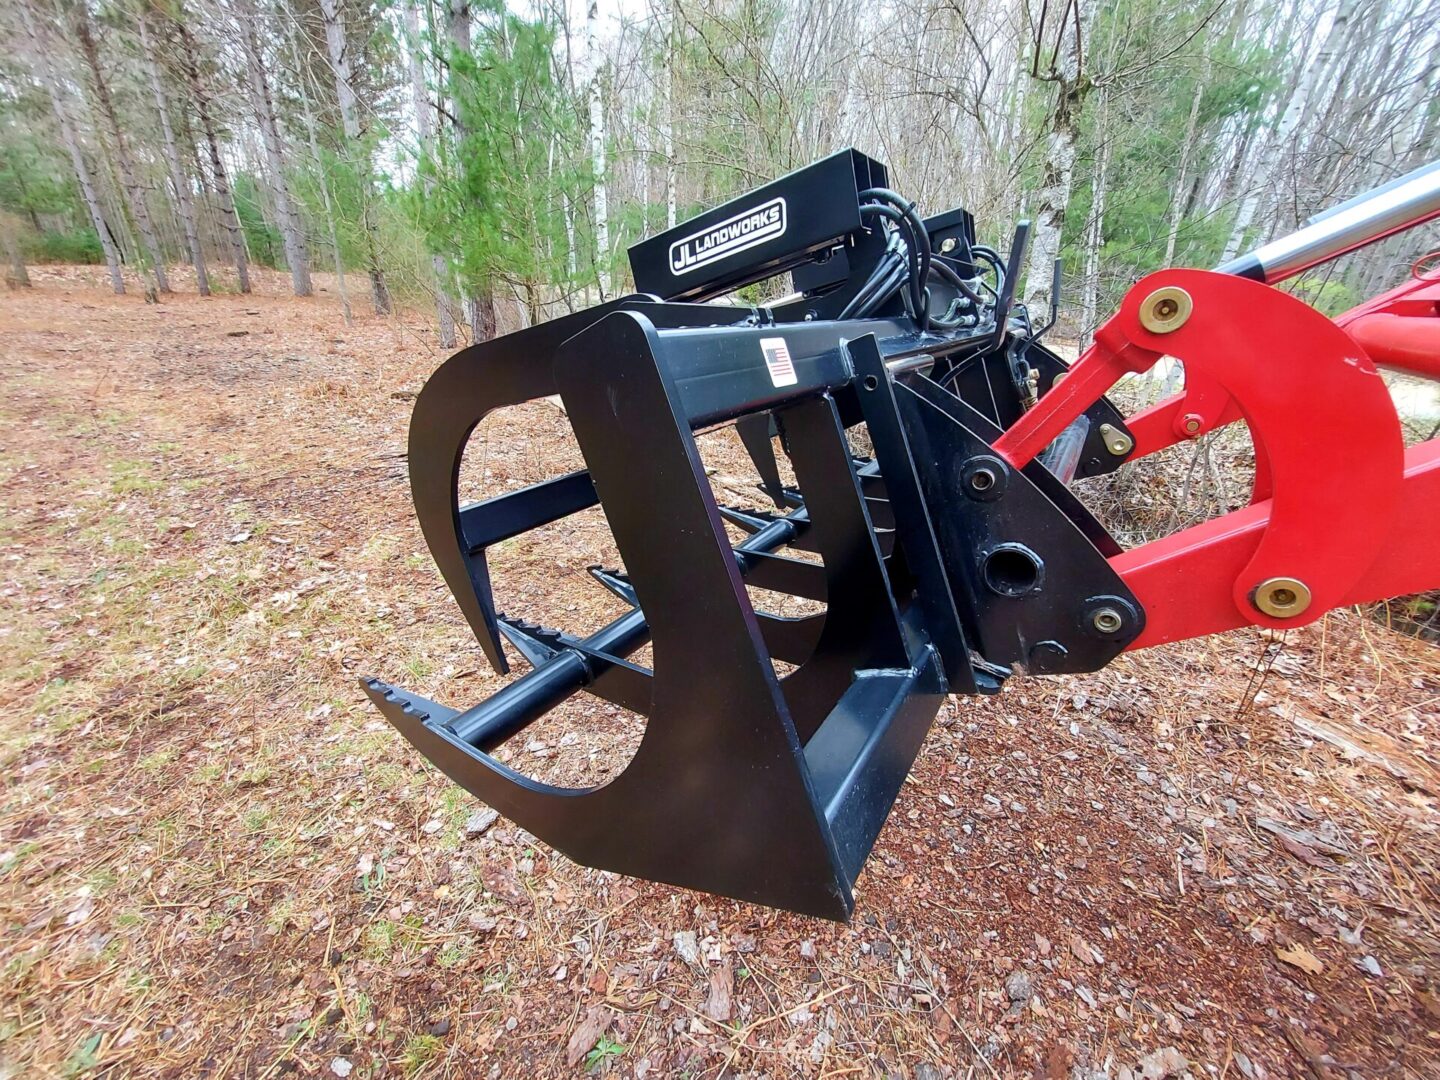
point(1107, 620)
point(983, 478)
point(1166, 308)
point(1012, 570)
point(871, 382)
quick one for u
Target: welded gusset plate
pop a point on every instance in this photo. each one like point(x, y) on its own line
point(1031, 589)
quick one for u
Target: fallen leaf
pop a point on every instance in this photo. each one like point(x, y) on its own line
point(1300, 957)
point(1084, 951)
point(687, 946)
point(584, 1037)
point(722, 979)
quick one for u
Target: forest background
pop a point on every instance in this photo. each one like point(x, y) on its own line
point(494, 162)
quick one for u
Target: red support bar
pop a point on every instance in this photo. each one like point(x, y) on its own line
point(1182, 581)
point(1327, 444)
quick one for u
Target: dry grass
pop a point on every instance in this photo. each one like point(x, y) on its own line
point(216, 860)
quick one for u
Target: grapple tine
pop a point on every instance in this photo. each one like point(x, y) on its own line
point(756, 433)
point(752, 521)
point(534, 642)
point(617, 581)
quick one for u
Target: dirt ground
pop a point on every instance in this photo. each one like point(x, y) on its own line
point(217, 860)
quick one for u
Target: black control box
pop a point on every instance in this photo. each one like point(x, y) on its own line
point(800, 218)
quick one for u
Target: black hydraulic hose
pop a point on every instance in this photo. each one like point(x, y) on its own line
point(941, 269)
point(878, 291)
point(991, 256)
point(890, 263)
point(906, 228)
point(922, 240)
point(917, 225)
point(896, 279)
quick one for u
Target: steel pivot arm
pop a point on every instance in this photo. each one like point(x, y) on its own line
point(1352, 515)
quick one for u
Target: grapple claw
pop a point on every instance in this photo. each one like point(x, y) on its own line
point(777, 740)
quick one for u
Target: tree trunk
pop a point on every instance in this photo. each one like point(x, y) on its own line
point(1295, 113)
point(17, 277)
point(40, 49)
point(425, 129)
point(483, 323)
point(1072, 87)
point(172, 155)
point(480, 306)
point(308, 114)
point(597, 153)
point(1057, 176)
point(667, 89)
point(134, 194)
point(1095, 240)
point(291, 230)
point(200, 98)
point(340, 66)
point(1178, 194)
point(1426, 131)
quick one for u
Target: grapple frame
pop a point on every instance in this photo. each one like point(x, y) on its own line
point(955, 556)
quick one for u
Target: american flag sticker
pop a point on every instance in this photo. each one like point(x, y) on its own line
point(778, 362)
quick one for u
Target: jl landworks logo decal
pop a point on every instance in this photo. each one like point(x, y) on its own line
point(739, 233)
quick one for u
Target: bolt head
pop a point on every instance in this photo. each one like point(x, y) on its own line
point(1116, 441)
point(1166, 309)
point(1281, 597)
point(1107, 620)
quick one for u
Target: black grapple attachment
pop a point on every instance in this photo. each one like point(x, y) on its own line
point(940, 568)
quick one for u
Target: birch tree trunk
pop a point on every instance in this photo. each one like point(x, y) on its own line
point(1426, 130)
point(1057, 178)
point(125, 165)
point(1095, 240)
point(667, 90)
point(40, 48)
point(425, 131)
point(1261, 179)
point(340, 66)
point(1072, 87)
point(172, 156)
point(200, 98)
point(597, 152)
point(291, 231)
point(1179, 198)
